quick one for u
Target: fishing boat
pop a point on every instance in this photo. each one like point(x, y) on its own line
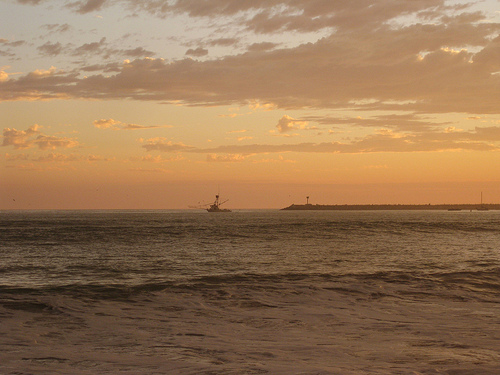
point(215, 207)
point(212, 207)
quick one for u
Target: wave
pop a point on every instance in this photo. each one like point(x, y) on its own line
point(476, 284)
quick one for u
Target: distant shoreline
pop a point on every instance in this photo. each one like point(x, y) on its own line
point(392, 207)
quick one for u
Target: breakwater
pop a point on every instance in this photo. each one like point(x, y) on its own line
point(392, 207)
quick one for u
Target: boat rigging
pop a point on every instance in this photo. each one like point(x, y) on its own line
point(213, 207)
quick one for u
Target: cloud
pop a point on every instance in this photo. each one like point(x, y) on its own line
point(46, 142)
point(140, 127)
point(156, 159)
point(399, 122)
point(228, 158)
point(27, 167)
point(223, 42)
point(118, 125)
point(161, 144)
point(63, 158)
point(3, 76)
point(368, 59)
point(9, 157)
point(17, 43)
point(153, 170)
point(92, 48)
point(490, 133)
point(102, 48)
point(56, 157)
point(480, 139)
point(30, 2)
point(307, 16)
point(51, 49)
point(197, 52)
point(261, 47)
point(106, 123)
point(19, 138)
point(88, 6)
point(7, 50)
point(56, 27)
point(239, 139)
point(232, 115)
point(135, 52)
point(287, 123)
point(22, 139)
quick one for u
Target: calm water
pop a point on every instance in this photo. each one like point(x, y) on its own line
point(249, 292)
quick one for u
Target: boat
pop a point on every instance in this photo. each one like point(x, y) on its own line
point(215, 207)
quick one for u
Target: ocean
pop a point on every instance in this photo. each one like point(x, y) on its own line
point(250, 292)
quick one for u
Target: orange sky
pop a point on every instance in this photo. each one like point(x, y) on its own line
point(147, 104)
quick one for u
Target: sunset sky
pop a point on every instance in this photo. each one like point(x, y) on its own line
point(163, 103)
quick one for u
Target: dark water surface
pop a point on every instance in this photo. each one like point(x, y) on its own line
point(249, 292)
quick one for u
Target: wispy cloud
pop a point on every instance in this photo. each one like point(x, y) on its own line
point(118, 125)
point(227, 158)
point(150, 170)
point(161, 144)
point(57, 28)
point(93, 49)
point(156, 159)
point(480, 139)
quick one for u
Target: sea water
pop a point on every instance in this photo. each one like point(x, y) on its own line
point(249, 292)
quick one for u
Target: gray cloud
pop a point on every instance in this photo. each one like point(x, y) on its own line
point(101, 48)
point(57, 28)
point(197, 52)
point(51, 49)
point(88, 6)
point(30, 2)
point(268, 16)
point(224, 42)
point(16, 43)
point(92, 48)
point(264, 46)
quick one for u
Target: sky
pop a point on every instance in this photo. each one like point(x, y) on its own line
point(161, 104)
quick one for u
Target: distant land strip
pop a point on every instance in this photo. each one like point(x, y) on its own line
point(393, 207)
